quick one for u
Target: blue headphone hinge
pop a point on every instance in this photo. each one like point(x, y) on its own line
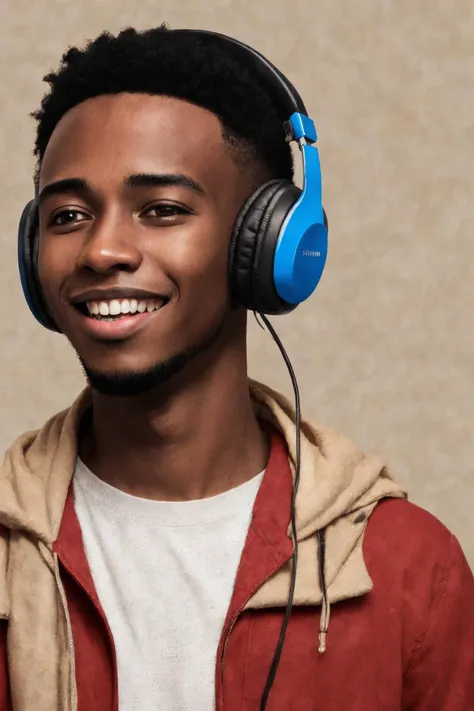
point(302, 127)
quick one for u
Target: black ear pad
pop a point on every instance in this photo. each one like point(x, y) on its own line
point(28, 266)
point(253, 247)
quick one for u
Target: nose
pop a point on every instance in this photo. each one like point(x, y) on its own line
point(111, 245)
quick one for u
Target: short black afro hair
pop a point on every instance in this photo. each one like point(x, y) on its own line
point(160, 61)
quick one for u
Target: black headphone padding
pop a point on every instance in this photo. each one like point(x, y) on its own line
point(253, 245)
point(28, 246)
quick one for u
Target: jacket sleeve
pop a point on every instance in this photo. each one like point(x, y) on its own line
point(440, 675)
point(5, 702)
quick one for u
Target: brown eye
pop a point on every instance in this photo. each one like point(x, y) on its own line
point(166, 211)
point(67, 217)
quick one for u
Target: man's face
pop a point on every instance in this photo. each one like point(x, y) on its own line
point(138, 198)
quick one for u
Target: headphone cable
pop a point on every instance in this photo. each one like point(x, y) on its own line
point(294, 558)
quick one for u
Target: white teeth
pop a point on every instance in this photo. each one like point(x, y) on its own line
point(93, 308)
point(114, 307)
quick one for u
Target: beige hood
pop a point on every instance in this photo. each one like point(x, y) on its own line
point(339, 488)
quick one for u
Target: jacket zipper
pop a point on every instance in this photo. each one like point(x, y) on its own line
point(222, 660)
point(233, 622)
point(232, 625)
point(229, 631)
point(70, 640)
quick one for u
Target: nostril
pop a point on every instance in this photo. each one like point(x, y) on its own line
point(107, 268)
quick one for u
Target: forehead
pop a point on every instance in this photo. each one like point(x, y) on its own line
point(107, 137)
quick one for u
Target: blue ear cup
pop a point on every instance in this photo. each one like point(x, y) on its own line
point(28, 266)
point(302, 244)
point(280, 238)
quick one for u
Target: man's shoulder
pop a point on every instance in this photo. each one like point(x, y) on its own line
point(423, 582)
point(406, 519)
point(33, 450)
point(404, 541)
point(400, 527)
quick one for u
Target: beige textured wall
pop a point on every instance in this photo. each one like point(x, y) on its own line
point(385, 349)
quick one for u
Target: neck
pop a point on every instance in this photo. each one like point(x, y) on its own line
point(194, 439)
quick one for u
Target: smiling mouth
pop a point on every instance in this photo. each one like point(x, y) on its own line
point(116, 309)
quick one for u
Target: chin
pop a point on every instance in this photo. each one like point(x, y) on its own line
point(126, 375)
point(128, 380)
point(133, 382)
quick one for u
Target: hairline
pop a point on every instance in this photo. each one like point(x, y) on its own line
point(241, 150)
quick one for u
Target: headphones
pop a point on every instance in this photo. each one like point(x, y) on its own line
point(279, 241)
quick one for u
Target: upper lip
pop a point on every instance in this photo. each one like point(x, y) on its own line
point(115, 293)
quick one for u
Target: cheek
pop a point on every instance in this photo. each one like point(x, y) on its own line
point(200, 272)
point(54, 264)
point(201, 265)
point(47, 267)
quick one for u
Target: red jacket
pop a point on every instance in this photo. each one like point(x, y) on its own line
point(408, 645)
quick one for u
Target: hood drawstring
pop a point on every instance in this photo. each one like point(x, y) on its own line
point(325, 605)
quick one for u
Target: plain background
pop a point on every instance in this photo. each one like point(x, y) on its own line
point(384, 349)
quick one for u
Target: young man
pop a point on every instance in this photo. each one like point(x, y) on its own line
point(146, 547)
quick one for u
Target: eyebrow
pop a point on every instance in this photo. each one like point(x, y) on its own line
point(138, 180)
point(145, 180)
point(61, 187)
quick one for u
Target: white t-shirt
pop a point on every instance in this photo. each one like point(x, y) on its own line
point(164, 573)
